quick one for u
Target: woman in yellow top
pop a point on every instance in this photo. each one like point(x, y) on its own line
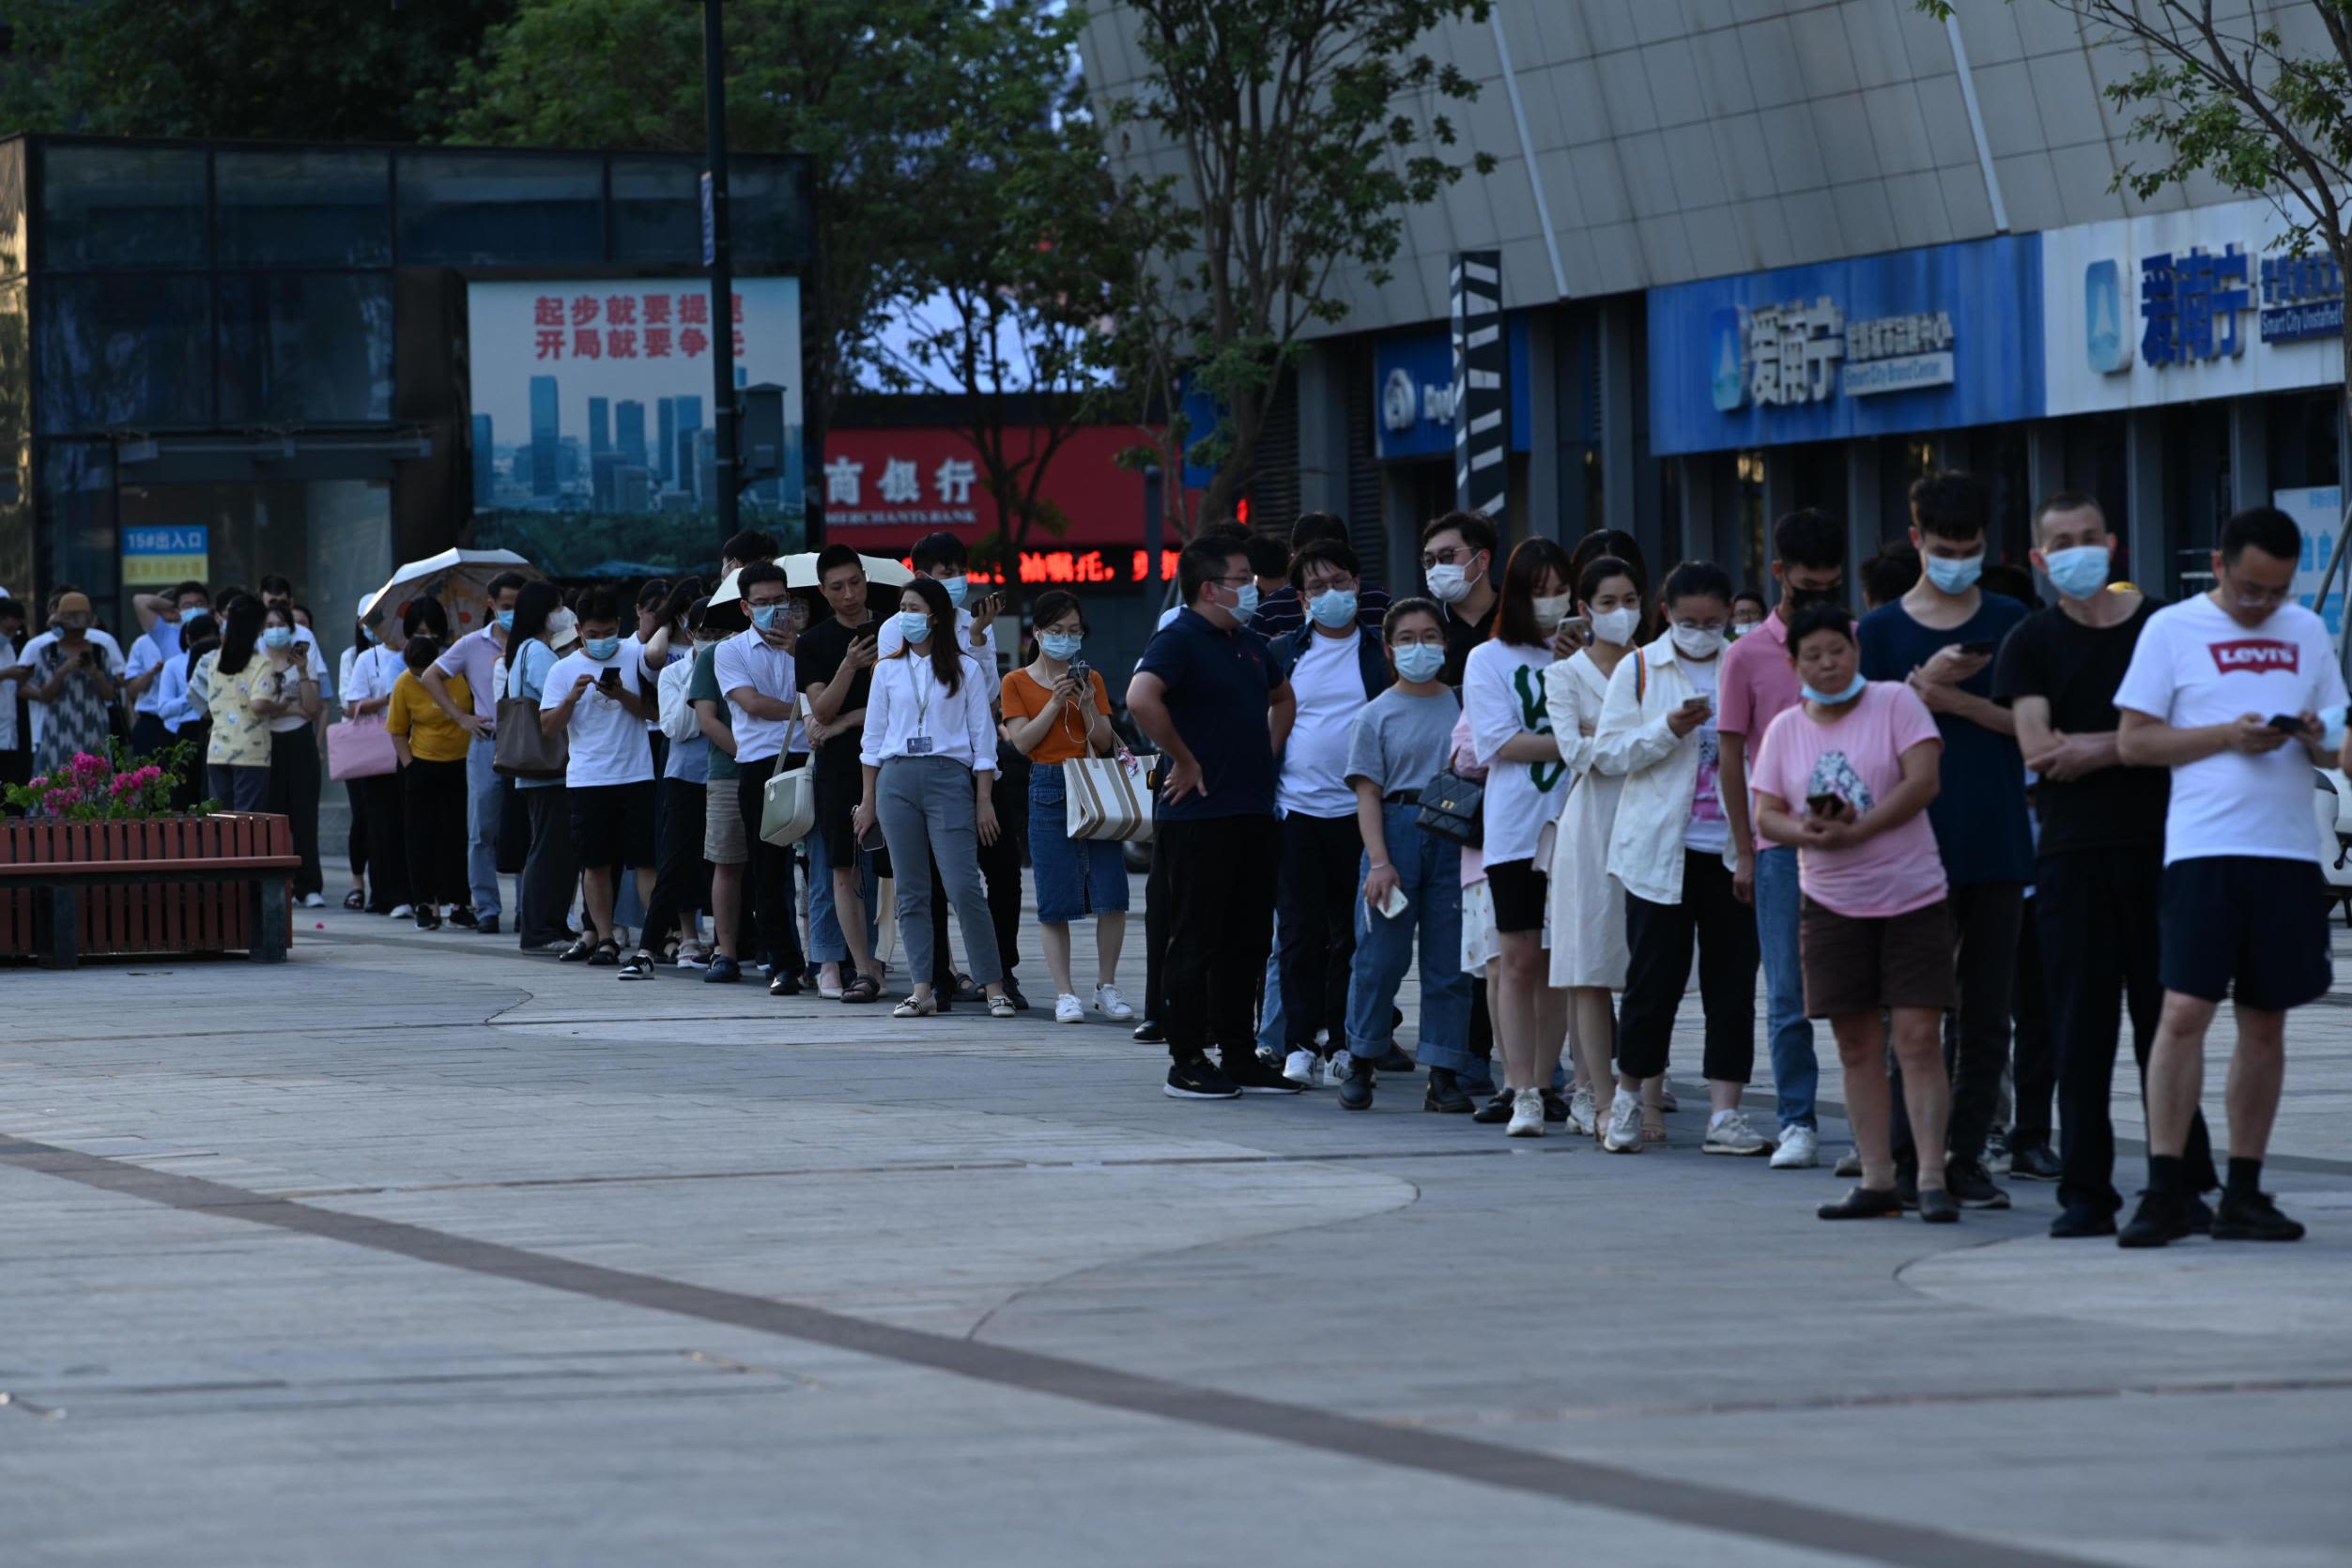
point(228, 681)
point(1057, 711)
point(432, 752)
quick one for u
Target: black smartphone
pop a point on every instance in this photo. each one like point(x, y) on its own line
point(1823, 806)
point(1079, 671)
point(2287, 724)
point(610, 680)
point(1979, 649)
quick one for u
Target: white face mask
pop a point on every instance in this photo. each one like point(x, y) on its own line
point(1617, 626)
point(1699, 642)
point(1551, 609)
point(1449, 583)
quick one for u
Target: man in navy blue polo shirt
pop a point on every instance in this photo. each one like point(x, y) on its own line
point(1210, 696)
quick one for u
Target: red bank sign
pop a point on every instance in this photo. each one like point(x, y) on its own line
point(2256, 656)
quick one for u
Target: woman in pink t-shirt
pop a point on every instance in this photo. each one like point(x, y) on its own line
point(1846, 777)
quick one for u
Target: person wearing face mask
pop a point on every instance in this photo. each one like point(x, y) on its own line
point(1457, 559)
point(597, 699)
point(289, 700)
point(226, 682)
point(185, 717)
point(1281, 609)
point(1588, 908)
point(1759, 685)
point(834, 665)
point(681, 878)
point(1054, 714)
point(2238, 692)
point(1510, 731)
point(755, 670)
point(1411, 880)
point(278, 593)
point(476, 655)
point(543, 900)
point(71, 685)
point(1335, 664)
point(1842, 776)
point(106, 655)
point(158, 645)
point(1747, 612)
point(2098, 865)
point(1671, 850)
point(379, 827)
point(1941, 637)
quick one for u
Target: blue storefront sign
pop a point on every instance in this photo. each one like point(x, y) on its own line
point(1412, 390)
point(1930, 339)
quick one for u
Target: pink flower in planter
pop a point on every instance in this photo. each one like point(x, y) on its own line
point(58, 800)
point(87, 766)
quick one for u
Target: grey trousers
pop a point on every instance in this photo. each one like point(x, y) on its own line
point(925, 807)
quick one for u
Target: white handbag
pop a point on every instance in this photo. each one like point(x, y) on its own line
point(1107, 798)
point(787, 808)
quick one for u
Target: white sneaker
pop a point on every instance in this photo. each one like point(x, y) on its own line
point(1069, 1009)
point(1732, 1135)
point(401, 912)
point(1526, 1115)
point(313, 900)
point(1584, 1113)
point(1305, 1069)
point(1111, 1004)
point(1800, 1149)
point(1624, 1124)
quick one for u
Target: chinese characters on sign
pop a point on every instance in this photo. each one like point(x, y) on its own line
point(1799, 353)
point(2302, 297)
point(2191, 304)
point(644, 326)
point(951, 482)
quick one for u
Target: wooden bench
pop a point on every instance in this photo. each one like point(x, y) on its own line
point(57, 919)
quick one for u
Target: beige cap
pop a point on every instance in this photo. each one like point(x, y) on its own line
point(72, 604)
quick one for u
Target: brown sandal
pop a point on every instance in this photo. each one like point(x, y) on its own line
point(862, 987)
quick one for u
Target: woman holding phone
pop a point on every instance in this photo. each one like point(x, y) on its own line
point(1671, 849)
point(288, 699)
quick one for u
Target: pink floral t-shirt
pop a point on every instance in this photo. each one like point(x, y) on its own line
point(1859, 758)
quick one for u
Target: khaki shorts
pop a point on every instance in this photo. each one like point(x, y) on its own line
point(724, 840)
point(1895, 961)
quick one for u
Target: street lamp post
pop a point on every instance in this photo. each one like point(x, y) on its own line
point(725, 411)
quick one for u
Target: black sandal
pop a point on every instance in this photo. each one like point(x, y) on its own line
point(862, 987)
point(355, 900)
point(581, 947)
point(605, 955)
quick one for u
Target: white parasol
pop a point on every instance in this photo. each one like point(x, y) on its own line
point(464, 575)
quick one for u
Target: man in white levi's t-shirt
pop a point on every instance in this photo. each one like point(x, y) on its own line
point(2228, 690)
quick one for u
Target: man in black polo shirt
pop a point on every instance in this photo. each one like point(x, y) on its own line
point(1457, 562)
point(1204, 692)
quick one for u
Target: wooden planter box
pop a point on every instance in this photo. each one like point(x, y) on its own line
point(182, 884)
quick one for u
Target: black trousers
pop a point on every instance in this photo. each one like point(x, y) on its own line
point(681, 878)
point(380, 803)
point(1660, 937)
point(294, 793)
point(1314, 902)
point(2099, 952)
point(2032, 1054)
point(432, 797)
point(1986, 915)
point(148, 736)
point(775, 926)
point(551, 874)
point(1221, 917)
point(1159, 903)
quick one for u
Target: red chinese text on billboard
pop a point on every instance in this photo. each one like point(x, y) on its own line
point(626, 325)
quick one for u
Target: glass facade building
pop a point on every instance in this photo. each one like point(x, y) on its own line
point(269, 342)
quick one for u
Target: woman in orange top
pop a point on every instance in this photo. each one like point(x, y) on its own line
point(1056, 710)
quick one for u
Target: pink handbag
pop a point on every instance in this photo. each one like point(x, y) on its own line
point(359, 749)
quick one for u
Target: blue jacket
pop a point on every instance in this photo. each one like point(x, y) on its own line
point(1371, 658)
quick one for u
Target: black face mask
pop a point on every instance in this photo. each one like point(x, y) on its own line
point(1800, 597)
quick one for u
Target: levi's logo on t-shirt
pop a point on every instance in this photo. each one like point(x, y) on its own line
point(2255, 656)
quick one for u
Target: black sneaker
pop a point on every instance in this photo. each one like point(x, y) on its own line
point(1021, 1003)
point(1197, 1077)
point(1444, 1094)
point(1395, 1061)
point(1972, 1187)
point(1355, 1086)
point(1149, 1033)
point(2252, 1218)
point(2035, 1162)
point(2158, 1222)
point(1937, 1206)
point(1555, 1107)
point(2200, 1216)
point(1253, 1074)
point(462, 916)
point(1494, 1111)
point(2083, 1220)
point(639, 967)
point(785, 984)
point(1863, 1203)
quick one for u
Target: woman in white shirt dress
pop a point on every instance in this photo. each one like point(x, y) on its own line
point(1587, 906)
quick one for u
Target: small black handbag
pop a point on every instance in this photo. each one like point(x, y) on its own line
point(1451, 808)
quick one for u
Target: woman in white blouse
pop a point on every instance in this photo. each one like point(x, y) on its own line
point(928, 751)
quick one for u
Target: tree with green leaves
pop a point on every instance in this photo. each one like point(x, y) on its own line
point(1296, 149)
point(267, 69)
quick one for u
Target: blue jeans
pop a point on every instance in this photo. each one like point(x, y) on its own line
point(1269, 1023)
point(1795, 1072)
point(1429, 870)
point(826, 941)
point(486, 800)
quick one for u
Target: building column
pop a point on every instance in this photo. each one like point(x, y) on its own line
point(1694, 530)
point(1322, 372)
point(2045, 460)
point(2148, 528)
point(1400, 530)
point(1619, 485)
point(1866, 524)
point(2250, 453)
point(1545, 478)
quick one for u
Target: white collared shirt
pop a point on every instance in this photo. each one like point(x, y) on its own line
point(906, 701)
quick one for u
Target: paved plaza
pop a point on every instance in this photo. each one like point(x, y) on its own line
point(419, 1251)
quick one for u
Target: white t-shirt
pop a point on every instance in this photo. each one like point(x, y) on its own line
point(35, 647)
point(1331, 689)
point(1709, 831)
point(1502, 691)
point(890, 639)
point(149, 652)
point(7, 697)
point(2194, 665)
point(746, 659)
point(608, 746)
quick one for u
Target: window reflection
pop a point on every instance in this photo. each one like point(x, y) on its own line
point(467, 210)
point(308, 348)
point(279, 205)
point(123, 350)
point(122, 206)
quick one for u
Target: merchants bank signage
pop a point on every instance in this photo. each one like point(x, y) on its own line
point(1918, 340)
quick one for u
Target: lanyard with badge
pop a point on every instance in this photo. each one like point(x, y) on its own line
point(919, 742)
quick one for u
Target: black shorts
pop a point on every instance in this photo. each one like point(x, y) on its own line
point(612, 824)
point(2250, 927)
point(1518, 891)
point(838, 790)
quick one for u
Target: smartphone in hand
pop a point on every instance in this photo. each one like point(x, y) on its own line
point(1825, 805)
point(1979, 649)
point(2287, 724)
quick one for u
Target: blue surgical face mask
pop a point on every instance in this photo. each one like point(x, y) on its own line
point(1955, 576)
point(1060, 645)
point(1245, 601)
point(602, 648)
point(957, 588)
point(1854, 689)
point(1420, 661)
point(277, 636)
point(767, 617)
point(506, 619)
point(1334, 607)
point(2078, 573)
point(914, 625)
point(368, 633)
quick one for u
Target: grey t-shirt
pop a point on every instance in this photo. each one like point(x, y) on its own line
point(1400, 741)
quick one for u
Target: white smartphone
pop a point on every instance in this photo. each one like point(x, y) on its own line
point(1395, 903)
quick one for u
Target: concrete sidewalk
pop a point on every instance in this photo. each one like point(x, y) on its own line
point(419, 1250)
